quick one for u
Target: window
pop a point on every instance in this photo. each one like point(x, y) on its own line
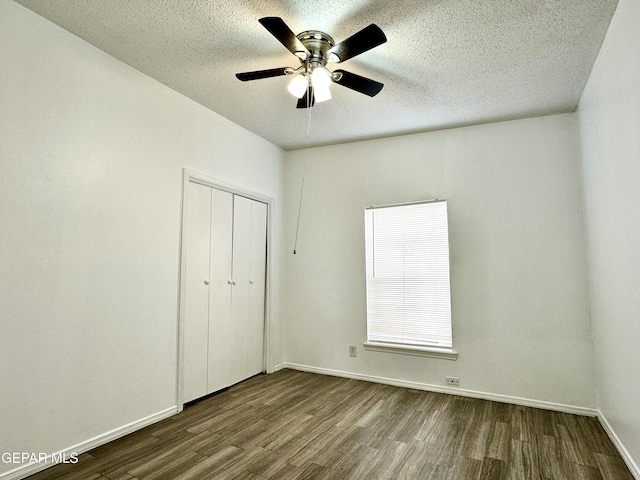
point(407, 263)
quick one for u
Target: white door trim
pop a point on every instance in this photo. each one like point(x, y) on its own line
point(189, 175)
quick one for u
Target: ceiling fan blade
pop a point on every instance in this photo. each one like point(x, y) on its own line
point(283, 33)
point(303, 102)
point(258, 74)
point(366, 39)
point(358, 83)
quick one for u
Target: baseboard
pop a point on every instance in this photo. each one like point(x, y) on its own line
point(279, 367)
point(624, 453)
point(558, 407)
point(31, 468)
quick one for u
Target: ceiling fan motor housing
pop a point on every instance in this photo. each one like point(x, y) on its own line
point(318, 43)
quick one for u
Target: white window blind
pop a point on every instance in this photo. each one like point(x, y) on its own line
point(408, 296)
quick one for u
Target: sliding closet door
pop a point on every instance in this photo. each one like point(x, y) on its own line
point(221, 333)
point(257, 279)
point(196, 325)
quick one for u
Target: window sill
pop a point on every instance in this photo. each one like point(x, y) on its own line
point(446, 353)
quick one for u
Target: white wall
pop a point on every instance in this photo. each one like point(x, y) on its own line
point(91, 157)
point(609, 114)
point(518, 269)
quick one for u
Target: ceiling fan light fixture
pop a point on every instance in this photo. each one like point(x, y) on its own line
point(298, 86)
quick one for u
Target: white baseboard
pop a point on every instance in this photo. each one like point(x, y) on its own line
point(24, 471)
point(279, 367)
point(624, 453)
point(558, 407)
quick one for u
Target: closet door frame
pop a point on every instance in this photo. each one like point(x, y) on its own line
point(189, 175)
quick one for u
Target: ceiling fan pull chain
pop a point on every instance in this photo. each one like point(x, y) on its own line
point(304, 172)
point(308, 118)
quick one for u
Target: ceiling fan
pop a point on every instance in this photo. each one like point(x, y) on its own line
point(315, 49)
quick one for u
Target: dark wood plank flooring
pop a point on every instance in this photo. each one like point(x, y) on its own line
point(295, 425)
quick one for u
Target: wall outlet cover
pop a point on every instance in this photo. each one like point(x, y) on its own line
point(453, 381)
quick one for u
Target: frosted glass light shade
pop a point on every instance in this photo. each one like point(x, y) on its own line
point(298, 86)
point(320, 78)
point(321, 94)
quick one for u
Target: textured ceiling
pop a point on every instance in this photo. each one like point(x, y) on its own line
point(446, 63)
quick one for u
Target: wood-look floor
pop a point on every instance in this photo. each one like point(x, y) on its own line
point(295, 425)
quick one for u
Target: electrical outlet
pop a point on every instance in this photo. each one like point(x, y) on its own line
point(453, 381)
point(352, 350)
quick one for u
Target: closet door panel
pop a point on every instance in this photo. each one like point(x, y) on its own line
point(196, 320)
point(220, 333)
point(257, 279)
point(240, 293)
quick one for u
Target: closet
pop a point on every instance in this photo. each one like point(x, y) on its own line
point(224, 289)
